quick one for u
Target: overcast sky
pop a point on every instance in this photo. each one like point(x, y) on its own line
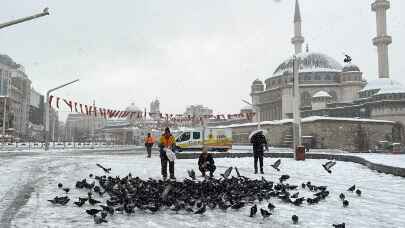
point(184, 52)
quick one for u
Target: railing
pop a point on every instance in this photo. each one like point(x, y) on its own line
point(38, 146)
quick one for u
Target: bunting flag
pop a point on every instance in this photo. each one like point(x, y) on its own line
point(50, 100)
point(110, 113)
point(69, 104)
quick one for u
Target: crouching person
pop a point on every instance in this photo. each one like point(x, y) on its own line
point(206, 162)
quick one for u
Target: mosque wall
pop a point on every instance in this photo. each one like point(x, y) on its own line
point(353, 136)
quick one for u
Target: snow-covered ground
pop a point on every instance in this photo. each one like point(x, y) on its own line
point(397, 160)
point(27, 182)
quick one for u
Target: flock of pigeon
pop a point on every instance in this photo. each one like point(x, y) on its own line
point(193, 196)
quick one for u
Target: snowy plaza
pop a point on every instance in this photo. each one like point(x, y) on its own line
point(27, 182)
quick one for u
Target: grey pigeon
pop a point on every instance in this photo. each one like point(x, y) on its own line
point(276, 165)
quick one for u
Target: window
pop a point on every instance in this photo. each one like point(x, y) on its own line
point(317, 77)
point(327, 77)
point(184, 137)
point(196, 135)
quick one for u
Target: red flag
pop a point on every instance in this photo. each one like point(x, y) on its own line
point(87, 109)
point(95, 111)
point(81, 108)
point(50, 100)
point(90, 110)
point(76, 107)
point(57, 102)
point(68, 103)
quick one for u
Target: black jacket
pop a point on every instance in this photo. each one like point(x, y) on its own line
point(208, 159)
point(259, 141)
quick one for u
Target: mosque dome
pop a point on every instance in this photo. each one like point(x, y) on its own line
point(309, 62)
point(350, 68)
point(257, 82)
point(133, 108)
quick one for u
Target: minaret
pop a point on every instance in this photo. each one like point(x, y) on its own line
point(382, 40)
point(298, 39)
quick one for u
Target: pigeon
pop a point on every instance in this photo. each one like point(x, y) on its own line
point(191, 174)
point(60, 200)
point(93, 211)
point(271, 206)
point(294, 218)
point(342, 225)
point(66, 190)
point(284, 178)
point(264, 213)
point(60, 185)
point(276, 165)
point(303, 185)
point(238, 205)
point(167, 190)
point(298, 201)
point(79, 203)
point(345, 203)
point(98, 220)
point(351, 189)
point(358, 192)
point(201, 210)
point(93, 201)
point(253, 210)
point(91, 175)
point(328, 165)
point(227, 172)
point(342, 196)
point(295, 195)
point(347, 59)
point(108, 209)
point(103, 168)
point(103, 214)
point(237, 172)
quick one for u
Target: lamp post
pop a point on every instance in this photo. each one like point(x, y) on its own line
point(257, 110)
point(45, 12)
point(46, 113)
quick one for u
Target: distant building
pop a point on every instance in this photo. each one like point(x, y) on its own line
point(81, 127)
point(15, 90)
point(197, 110)
point(155, 109)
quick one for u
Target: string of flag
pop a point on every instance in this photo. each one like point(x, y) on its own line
point(109, 113)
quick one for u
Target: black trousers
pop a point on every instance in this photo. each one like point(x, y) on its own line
point(149, 150)
point(209, 168)
point(258, 156)
point(164, 160)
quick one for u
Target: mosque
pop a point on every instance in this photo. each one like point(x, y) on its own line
point(328, 88)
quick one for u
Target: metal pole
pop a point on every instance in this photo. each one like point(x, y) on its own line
point(296, 103)
point(45, 12)
point(4, 116)
point(46, 129)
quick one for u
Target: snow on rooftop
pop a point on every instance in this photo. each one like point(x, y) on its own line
point(385, 86)
point(310, 62)
point(305, 120)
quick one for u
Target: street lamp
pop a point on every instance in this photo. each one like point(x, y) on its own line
point(256, 108)
point(46, 129)
point(45, 12)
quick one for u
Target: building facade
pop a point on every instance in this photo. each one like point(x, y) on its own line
point(15, 92)
point(328, 88)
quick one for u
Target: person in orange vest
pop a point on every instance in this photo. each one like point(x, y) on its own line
point(167, 141)
point(149, 141)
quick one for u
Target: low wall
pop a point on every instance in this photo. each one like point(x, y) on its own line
point(354, 135)
point(396, 171)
